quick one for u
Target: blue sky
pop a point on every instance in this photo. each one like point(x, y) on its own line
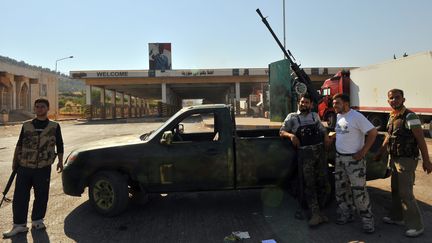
point(107, 34)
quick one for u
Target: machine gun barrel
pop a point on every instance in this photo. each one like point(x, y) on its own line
point(300, 73)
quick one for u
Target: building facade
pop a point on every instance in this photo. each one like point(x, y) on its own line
point(20, 86)
point(171, 87)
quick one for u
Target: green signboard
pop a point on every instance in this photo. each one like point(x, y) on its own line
point(282, 98)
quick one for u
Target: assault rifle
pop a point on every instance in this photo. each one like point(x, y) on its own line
point(8, 185)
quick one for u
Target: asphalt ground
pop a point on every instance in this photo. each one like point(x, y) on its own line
point(196, 216)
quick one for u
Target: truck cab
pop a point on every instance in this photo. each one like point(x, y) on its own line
point(340, 83)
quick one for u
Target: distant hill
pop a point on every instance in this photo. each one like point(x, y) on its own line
point(67, 85)
point(29, 66)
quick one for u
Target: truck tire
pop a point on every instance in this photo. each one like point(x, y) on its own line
point(378, 121)
point(109, 193)
point(331, 120)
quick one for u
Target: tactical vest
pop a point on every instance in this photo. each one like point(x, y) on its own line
point(402, 142)
point(309, 134)
point(38, 150)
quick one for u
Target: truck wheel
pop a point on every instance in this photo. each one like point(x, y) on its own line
point(108, 193)
point(331, 121)
point(378, 121)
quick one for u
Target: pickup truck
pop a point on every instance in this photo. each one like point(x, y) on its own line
point(185, 154)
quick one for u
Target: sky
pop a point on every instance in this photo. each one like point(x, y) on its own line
point(108, 34)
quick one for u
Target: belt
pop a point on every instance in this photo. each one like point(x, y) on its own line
point(313, 146)
point(342, 154)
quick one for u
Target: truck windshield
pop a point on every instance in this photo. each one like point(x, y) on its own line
point(162, 127)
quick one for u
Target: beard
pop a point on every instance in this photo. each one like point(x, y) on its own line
point(397, 107)
point(304, 110)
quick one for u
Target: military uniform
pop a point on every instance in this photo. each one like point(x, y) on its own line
point(403, 159)
point(311, 155)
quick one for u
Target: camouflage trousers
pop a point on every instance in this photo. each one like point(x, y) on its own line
point(350, 187)
point(313, 166)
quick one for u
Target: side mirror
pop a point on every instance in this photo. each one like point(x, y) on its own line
point(143, 137)
point(167, 138)
point(181, 128)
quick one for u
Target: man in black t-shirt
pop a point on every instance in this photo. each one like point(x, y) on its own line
point(39, 143)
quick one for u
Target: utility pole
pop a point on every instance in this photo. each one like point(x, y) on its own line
point(284, 32)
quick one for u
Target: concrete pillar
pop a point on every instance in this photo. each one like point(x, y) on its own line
point(144, 107)
point(14, 95)
point(237, 98)
point(164, 93)
point(114, 113)
point(132, 108)
point(237, 91)
point(89, 107)
point(103, 103)
point(146, 110)
point(129, 106)
point(88, 94)
point(122, 105)
point(136, 106)
point(139, 106)
point(103, 98)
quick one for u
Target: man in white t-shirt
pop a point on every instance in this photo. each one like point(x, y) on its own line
point(350, 168)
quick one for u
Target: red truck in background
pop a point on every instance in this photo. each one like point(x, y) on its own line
point(337, 84)
point(368, 87)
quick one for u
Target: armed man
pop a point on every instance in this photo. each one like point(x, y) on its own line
point(34, 154)
point(308, 135)
point(403, 141)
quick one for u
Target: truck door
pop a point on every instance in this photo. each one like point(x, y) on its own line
point(199, 156)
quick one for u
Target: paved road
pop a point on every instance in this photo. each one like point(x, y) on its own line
point(193, 217)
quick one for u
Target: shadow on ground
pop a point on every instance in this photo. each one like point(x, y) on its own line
point(210, 216)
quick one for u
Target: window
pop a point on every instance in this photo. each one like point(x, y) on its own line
point(326, 91)
point(197, 127)
point(43, 90)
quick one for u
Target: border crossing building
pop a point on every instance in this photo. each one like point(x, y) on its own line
point(131, 91)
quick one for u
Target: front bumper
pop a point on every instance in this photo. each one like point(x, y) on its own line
point(72, 180)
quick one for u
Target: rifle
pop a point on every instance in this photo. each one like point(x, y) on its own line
point(299, 72)
point(8, 185)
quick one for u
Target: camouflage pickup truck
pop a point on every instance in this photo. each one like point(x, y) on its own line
point(184, 154)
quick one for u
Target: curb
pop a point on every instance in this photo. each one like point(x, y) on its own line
point(117, 120)
point(126, 120)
